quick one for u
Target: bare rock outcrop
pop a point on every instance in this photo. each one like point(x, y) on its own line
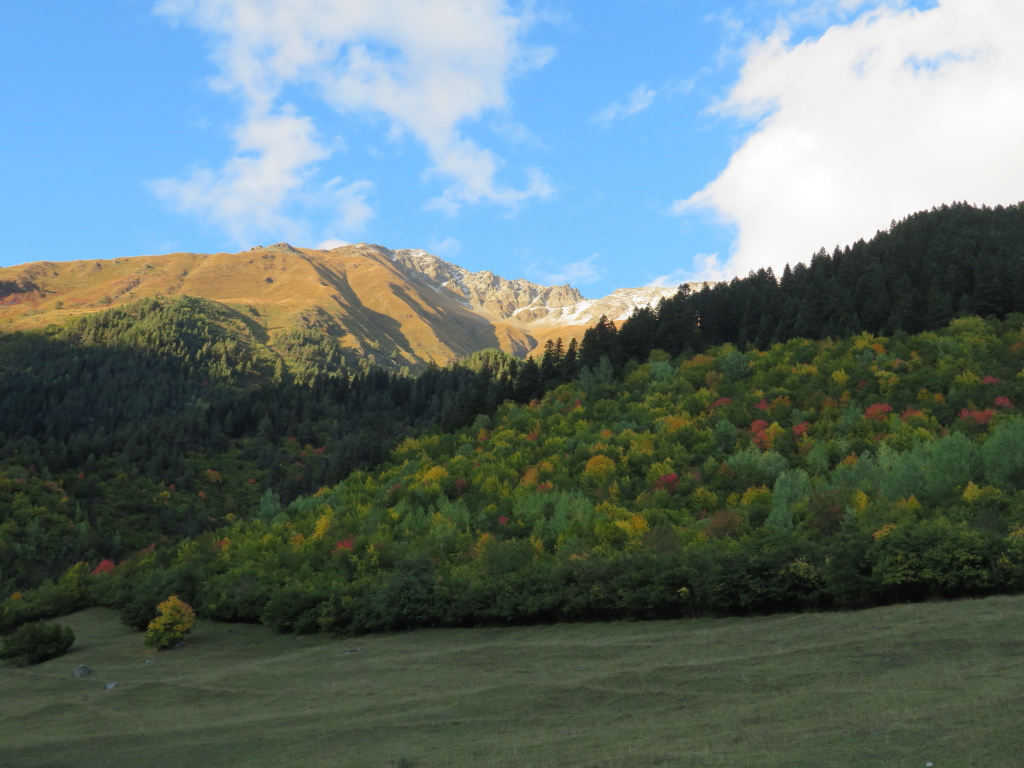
point(488, 293)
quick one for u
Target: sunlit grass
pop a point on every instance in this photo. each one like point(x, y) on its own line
point(897, 686)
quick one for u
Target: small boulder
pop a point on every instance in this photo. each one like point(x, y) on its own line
point(81, 671)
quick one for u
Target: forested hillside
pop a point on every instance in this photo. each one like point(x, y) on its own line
point(165, 418)
point(812, 475)
point(677, 465)
point(918, 275)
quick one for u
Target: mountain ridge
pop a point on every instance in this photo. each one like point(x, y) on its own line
point(397, 309)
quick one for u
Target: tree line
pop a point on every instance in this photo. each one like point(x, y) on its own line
point(916, 276)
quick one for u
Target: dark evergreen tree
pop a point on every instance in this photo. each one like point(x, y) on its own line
point(599, 341)
point(528, 384)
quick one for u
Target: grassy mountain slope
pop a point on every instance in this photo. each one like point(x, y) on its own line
point(899, 686)
point(376, 309)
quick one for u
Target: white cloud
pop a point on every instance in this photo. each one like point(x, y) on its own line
point(275, 153)
point(447, 247)
point(576, 273)
point(671, 280)
point(680, 87)
point(352, 212)
point(331, 243)
point(515, 132)
point(706, 268)
point(425, 65)
point(479, 166)
point(893, 112)
point(639, 99)
point(823, 12)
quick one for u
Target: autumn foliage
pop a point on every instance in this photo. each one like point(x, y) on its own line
point(175, 619)
point(806, 475)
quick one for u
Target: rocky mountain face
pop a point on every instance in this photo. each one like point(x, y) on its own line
point(395, 308)
point(487, 293)
point(523, 302)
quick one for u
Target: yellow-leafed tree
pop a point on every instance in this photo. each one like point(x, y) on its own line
point(175, 619)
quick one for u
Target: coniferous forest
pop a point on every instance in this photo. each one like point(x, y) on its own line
point(843, 435)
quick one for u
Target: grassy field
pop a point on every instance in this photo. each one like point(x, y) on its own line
point(899, 686)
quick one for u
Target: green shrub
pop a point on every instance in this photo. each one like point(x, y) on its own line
point(33, 643)
point(44, 602)
point(137, 588)
point(294, 609)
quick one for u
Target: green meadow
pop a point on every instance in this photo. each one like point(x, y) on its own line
point(906, 685)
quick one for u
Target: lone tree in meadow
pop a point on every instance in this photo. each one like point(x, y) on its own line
point(174, 620)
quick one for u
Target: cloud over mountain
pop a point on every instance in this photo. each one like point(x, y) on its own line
point(427, 67)
point(897, 110)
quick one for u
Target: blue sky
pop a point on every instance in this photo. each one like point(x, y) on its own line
point(606, 144)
